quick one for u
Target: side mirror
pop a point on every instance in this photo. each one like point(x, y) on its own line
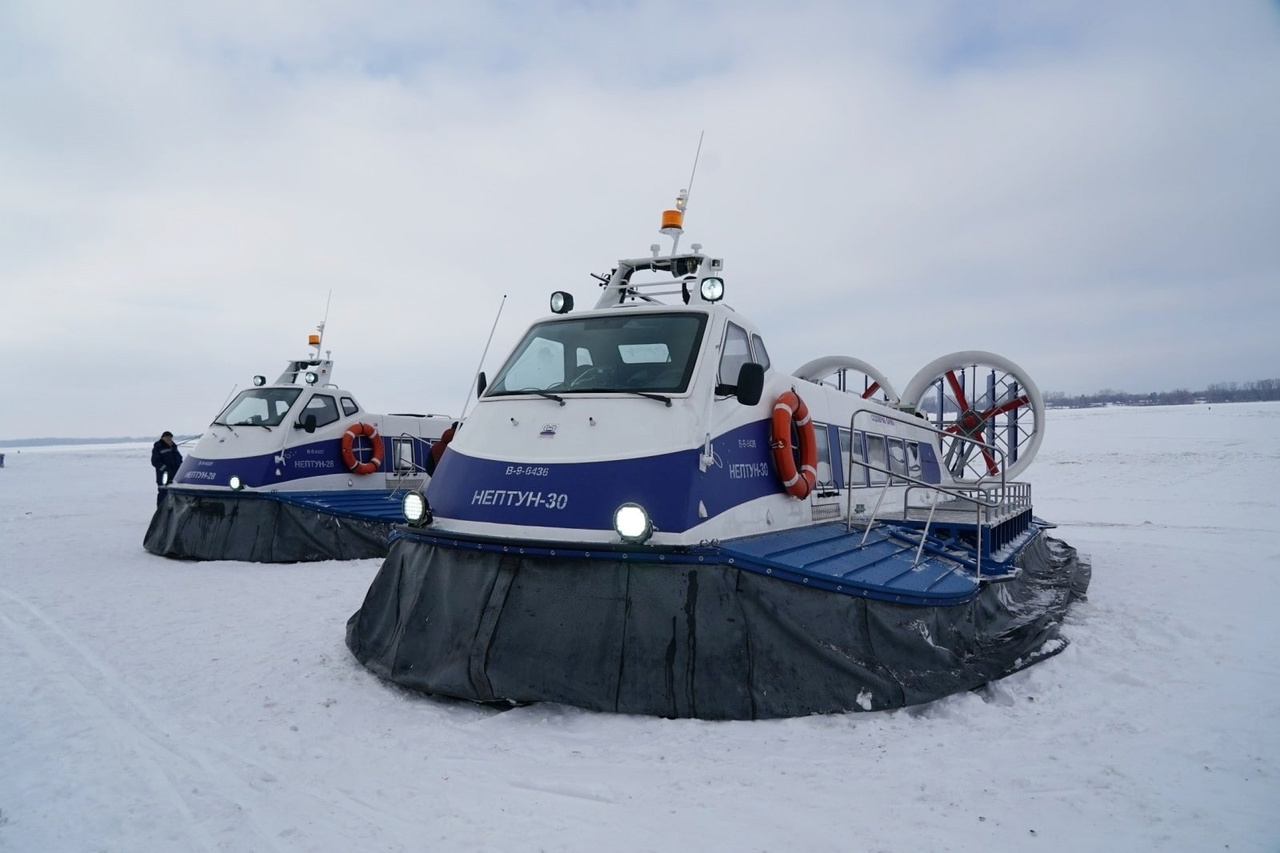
point(481, 383)
point(309, 423)
point(750, 383)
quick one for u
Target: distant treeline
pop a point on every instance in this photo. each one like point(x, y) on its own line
point(59, 442)
point(1221, 392)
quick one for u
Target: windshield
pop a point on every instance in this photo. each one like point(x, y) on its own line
point(645, 352)
point(258, 407)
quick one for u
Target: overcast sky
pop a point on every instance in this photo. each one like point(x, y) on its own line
point(1089, 189)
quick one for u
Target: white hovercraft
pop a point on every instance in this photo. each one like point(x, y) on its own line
point(294, 470)
point(642, 514)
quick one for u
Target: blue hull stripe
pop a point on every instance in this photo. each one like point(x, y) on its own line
point(584, 495)
point(302, 462)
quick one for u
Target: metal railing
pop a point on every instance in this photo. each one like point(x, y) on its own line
point(400, 475)
point(968, 492)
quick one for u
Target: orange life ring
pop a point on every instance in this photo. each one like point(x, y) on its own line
point(349, 441)
point(790, 411)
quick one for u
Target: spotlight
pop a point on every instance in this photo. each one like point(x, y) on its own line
point(235, 483)
point(561, 302)
point(259, 381)
point(311, 377)
point(632, 523)
point(416, 509)
point(712, 289)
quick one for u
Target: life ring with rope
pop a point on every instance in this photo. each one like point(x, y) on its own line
point(790, 411)
point(348, 448)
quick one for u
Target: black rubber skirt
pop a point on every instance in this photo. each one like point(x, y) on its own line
point(699, 640)
point(258, 530)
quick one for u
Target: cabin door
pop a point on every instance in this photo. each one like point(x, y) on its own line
point(828, 496)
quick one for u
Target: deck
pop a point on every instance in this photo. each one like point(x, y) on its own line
point(369, 504)
point(829, 556)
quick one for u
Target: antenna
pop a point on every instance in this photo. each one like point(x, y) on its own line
point(318, 340)
point(476, 377)
point(689, 189)
point(224, 408)
point(673, 220)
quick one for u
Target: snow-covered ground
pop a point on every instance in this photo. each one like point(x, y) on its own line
point(148, 704)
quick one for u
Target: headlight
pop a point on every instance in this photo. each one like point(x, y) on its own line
point(416, 510)
point(235, 483)
point(632, 523)
point(561, 302)
point(259, 381)
point(712, 289)
point(311, 377)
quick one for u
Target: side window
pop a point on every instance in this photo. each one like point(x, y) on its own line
point(349, 406)
point(876, 457)
point(897, 456)
point(323, 407)
point(402, 453)
point(851, 450)
point(825, 478)
point(736, 353)
point(761, 354)
point(913, 460)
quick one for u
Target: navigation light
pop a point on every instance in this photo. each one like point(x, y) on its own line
point(632, 523)
point(416, 510)
point(561, 302)
point(712, 289)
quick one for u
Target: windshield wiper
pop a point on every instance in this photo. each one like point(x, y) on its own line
point(251, 423)
point(659, 397)
point(546, 394)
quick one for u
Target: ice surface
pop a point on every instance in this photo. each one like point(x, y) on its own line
point(148, 704)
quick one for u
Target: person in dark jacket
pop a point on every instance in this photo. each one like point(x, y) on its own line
point(438, 448)
point(166, 459)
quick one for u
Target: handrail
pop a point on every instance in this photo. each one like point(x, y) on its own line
point(978, 507)
point(402, 473)
point(917, 423)
point(960, 492)
point(938, 489)
point(924, 535)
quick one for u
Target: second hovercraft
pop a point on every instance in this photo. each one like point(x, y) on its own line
point(294, 470)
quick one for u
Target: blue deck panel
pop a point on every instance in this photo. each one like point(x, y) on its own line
point(829, 556)
point(370, 504)
point(932, 575)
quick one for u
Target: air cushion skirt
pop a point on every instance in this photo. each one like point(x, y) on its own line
point(708, 641)
point(258, 529)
